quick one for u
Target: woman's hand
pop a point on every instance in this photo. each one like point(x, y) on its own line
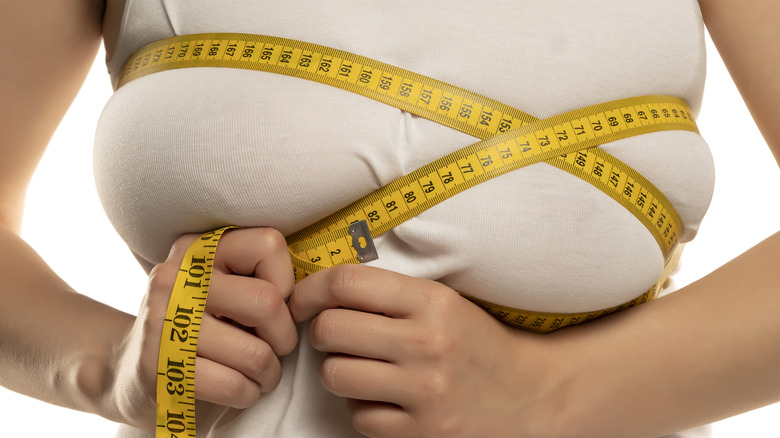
point(415, 359)
point(245, 328)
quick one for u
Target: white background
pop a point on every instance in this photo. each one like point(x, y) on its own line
point(62, 204)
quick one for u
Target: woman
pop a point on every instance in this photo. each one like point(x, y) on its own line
point(419, 411)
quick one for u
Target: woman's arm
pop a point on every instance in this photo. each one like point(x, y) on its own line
point(710, 350)
point(46, 348)
point(64, 348)
point(48, 48)
point(706, 352)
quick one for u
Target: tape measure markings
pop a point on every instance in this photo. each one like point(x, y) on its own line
point(398, 87)
point(484, 160)
point(389, 82)
point(545, 322)
point(386, 83)
point(179, 339)
point(566, 141)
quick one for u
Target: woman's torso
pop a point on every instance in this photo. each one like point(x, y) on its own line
point(192, 150)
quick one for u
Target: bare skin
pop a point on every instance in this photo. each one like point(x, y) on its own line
point(112, 21)
point(86, 355)
point(91, 357)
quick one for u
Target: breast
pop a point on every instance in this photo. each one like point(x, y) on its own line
point(191, 150)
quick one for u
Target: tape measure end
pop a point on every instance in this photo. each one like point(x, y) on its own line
point(362, 241)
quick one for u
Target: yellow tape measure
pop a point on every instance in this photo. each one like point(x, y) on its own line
point(511, 139)
point(561, 141)
point(548, 139)
point(179, 341)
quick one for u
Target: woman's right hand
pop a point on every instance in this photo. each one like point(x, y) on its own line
point(245, 329)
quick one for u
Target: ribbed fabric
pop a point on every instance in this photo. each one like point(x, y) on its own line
point(191, 150)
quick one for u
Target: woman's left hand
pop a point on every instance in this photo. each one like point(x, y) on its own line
point(415, 359)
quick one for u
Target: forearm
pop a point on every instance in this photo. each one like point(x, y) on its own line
point(707, 352)
point(55, 345)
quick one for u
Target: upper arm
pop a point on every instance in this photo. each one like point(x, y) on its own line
point(746, 35)
point(48, 47)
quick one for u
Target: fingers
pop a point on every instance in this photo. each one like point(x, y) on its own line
point(360, 334)
point(258, 252)
point(224, 386)
point(257, 304)
point(386, 420)
point(375, 419)
point(361, 288)
point(365, 379)
point(246, 324)
point(234, 348)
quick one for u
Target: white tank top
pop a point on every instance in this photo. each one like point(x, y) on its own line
point(194, 149)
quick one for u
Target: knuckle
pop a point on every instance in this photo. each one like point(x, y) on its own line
point(442, 344)
point(434, 344)
point(266, 299)
point(441, 296)
point(259, 358)
point(162, 278)
point(438, 386)
point(272, 240)
point(180, 246)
